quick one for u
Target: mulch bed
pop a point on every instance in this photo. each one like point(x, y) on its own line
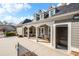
point(75, 53)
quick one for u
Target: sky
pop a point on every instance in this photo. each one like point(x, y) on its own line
point(17, 12)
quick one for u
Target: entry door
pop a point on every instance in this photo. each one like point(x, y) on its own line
point(62, 37)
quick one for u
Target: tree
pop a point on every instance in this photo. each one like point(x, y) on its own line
point(5, 22)
point(1, 23)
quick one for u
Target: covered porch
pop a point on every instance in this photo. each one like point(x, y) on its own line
point(44, 33)
point(55, 35)
point(40, 33)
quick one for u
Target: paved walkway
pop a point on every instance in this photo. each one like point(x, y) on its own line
point(39, 49)
point(7, 46)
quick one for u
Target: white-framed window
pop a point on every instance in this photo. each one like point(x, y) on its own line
point(53, 12)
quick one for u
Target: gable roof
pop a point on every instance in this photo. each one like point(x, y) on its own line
point(26, 21)
point(23, 22)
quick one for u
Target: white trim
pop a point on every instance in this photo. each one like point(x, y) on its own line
point(54, 35)
point(69, 34)
point(51, 34)
point(62, 23)
point(36, 32)
point(75, 49)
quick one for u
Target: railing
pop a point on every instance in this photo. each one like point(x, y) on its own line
point(22, 51)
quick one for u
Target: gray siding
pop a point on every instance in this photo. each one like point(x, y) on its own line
point(75, 34)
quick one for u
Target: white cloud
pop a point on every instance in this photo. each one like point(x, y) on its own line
point(11, 19)
point(15, 20)
point(2, 11)
point(29, 17)
point(7, 9)
point(15, 7)
point(28, 1)
point(59, 4)
point(68, 3)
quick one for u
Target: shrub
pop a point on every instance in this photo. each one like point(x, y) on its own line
point(10, 33)
point(20, 36)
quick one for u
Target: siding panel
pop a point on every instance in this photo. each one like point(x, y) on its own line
point(19, 31)
point(75, 34)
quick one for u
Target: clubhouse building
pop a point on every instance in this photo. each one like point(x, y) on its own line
point(58, 26)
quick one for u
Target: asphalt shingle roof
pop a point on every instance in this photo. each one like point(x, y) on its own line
point(26, 21)
point(8, 27)
point(69, 8)
point(23, 22)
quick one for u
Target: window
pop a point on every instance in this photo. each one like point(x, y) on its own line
point(53, 12)
point(37, 17)
point(46, 14)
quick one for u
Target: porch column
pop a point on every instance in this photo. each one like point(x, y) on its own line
point(23, 31)
point(51, 34)
point(28, 33)
point(37, 34)
point(48, 32)
point(54, 35)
